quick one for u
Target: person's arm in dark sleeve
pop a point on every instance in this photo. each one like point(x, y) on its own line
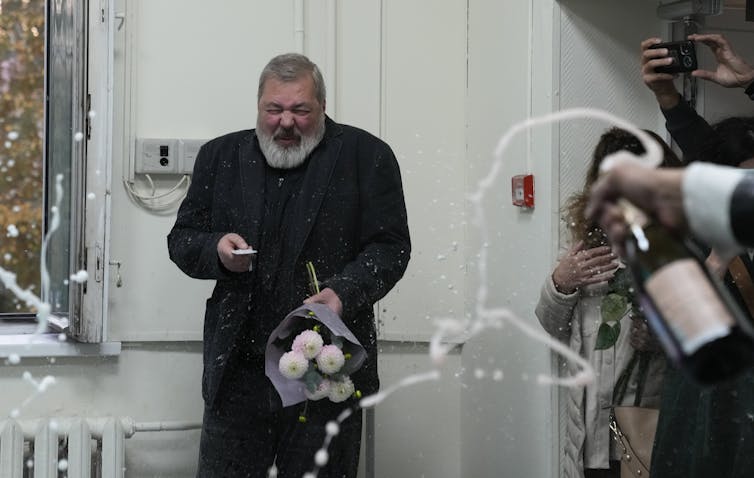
point(385, 242)
point(192, 243)
point(690, 131)
point(742, 211)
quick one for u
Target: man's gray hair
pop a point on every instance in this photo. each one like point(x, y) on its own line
point(291, 67)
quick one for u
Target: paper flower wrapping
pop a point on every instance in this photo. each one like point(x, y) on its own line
point(311, 355)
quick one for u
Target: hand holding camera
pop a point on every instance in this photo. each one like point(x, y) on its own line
point(661, 83)
point(731, 71)
point(662, 60)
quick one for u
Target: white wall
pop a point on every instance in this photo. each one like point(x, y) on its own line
point(440, 81)
point(510, 79)
point(147, 382)
point(548, 56)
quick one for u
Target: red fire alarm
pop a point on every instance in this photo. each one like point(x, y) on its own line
point(522, 190)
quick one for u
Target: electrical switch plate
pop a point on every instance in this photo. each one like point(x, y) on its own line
point(189, 149)
point(522, 190)
point(156, 156)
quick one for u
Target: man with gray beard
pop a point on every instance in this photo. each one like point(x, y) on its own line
point(299, 188)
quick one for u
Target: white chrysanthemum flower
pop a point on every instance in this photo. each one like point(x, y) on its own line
point(293, 365)
point(341, 389)
point(330, 359)
point(322, 391)
point(308, 343)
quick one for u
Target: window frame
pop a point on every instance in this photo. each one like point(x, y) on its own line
point(90, 325)
point(65, 92)
point(91, 169)
point(88, 35)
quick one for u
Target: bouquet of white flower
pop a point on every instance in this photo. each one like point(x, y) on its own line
point(307, 367)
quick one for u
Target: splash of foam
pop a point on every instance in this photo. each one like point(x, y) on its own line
point(450, 330)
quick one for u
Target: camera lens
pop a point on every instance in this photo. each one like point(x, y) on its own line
point(685, 48)
point(688, 61)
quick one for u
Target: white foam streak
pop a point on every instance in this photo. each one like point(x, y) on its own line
point(378, 397)
point(43, 311)
point(40, 387)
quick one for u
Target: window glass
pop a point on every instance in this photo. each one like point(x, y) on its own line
point(22, 67)
point(62, 121)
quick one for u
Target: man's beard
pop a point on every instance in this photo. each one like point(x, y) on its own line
point(292, 156)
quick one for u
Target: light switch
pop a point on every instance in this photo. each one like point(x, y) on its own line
point(156, 156)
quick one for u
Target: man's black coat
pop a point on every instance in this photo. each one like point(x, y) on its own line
point(350, 222)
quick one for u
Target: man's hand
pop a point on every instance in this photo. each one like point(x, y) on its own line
point(661, 84)
point(225, 247)
point(732, 71)
point(329, 298)
point(656, 191)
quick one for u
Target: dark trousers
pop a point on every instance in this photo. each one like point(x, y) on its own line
point(247, 430)
point(612, 472)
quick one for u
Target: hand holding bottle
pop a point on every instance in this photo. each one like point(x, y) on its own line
point(656, 191)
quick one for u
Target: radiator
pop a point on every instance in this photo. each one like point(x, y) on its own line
point(73, 447)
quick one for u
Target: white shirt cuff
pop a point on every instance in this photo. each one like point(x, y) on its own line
point(707, 192)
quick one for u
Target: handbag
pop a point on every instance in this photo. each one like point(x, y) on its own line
point(634, 426)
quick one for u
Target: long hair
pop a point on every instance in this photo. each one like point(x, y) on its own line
point(613, 140)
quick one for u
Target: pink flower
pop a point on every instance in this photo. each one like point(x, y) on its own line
point(293, 365)
point(330, 359)
point(341, 389)
point(323, 390)
point(308, 343)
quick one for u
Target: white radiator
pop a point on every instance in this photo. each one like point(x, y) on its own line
point(73, 447)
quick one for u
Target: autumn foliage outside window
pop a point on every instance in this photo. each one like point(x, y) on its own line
point(22, 70)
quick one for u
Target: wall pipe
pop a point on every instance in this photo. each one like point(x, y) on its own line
point(331, 65)
point(97, 425)
point(298, 25)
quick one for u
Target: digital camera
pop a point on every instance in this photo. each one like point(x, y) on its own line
point(683, 54)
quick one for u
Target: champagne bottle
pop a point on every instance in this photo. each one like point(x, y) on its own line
point(700, 327)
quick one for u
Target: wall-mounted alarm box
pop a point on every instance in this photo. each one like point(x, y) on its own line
point(522, 190)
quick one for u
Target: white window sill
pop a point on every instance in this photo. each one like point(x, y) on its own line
point(48, 345)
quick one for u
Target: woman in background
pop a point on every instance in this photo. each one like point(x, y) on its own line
point(570, 309)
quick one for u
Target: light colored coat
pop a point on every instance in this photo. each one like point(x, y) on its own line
point(574, 319)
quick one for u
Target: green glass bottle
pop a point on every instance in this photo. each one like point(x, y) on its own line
point(700, 327)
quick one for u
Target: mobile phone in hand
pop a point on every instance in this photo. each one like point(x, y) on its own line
point(243, 252)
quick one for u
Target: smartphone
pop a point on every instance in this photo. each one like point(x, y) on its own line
point(683, 54)
point(243, 252)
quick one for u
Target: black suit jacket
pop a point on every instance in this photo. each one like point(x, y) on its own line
point(350, 223)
